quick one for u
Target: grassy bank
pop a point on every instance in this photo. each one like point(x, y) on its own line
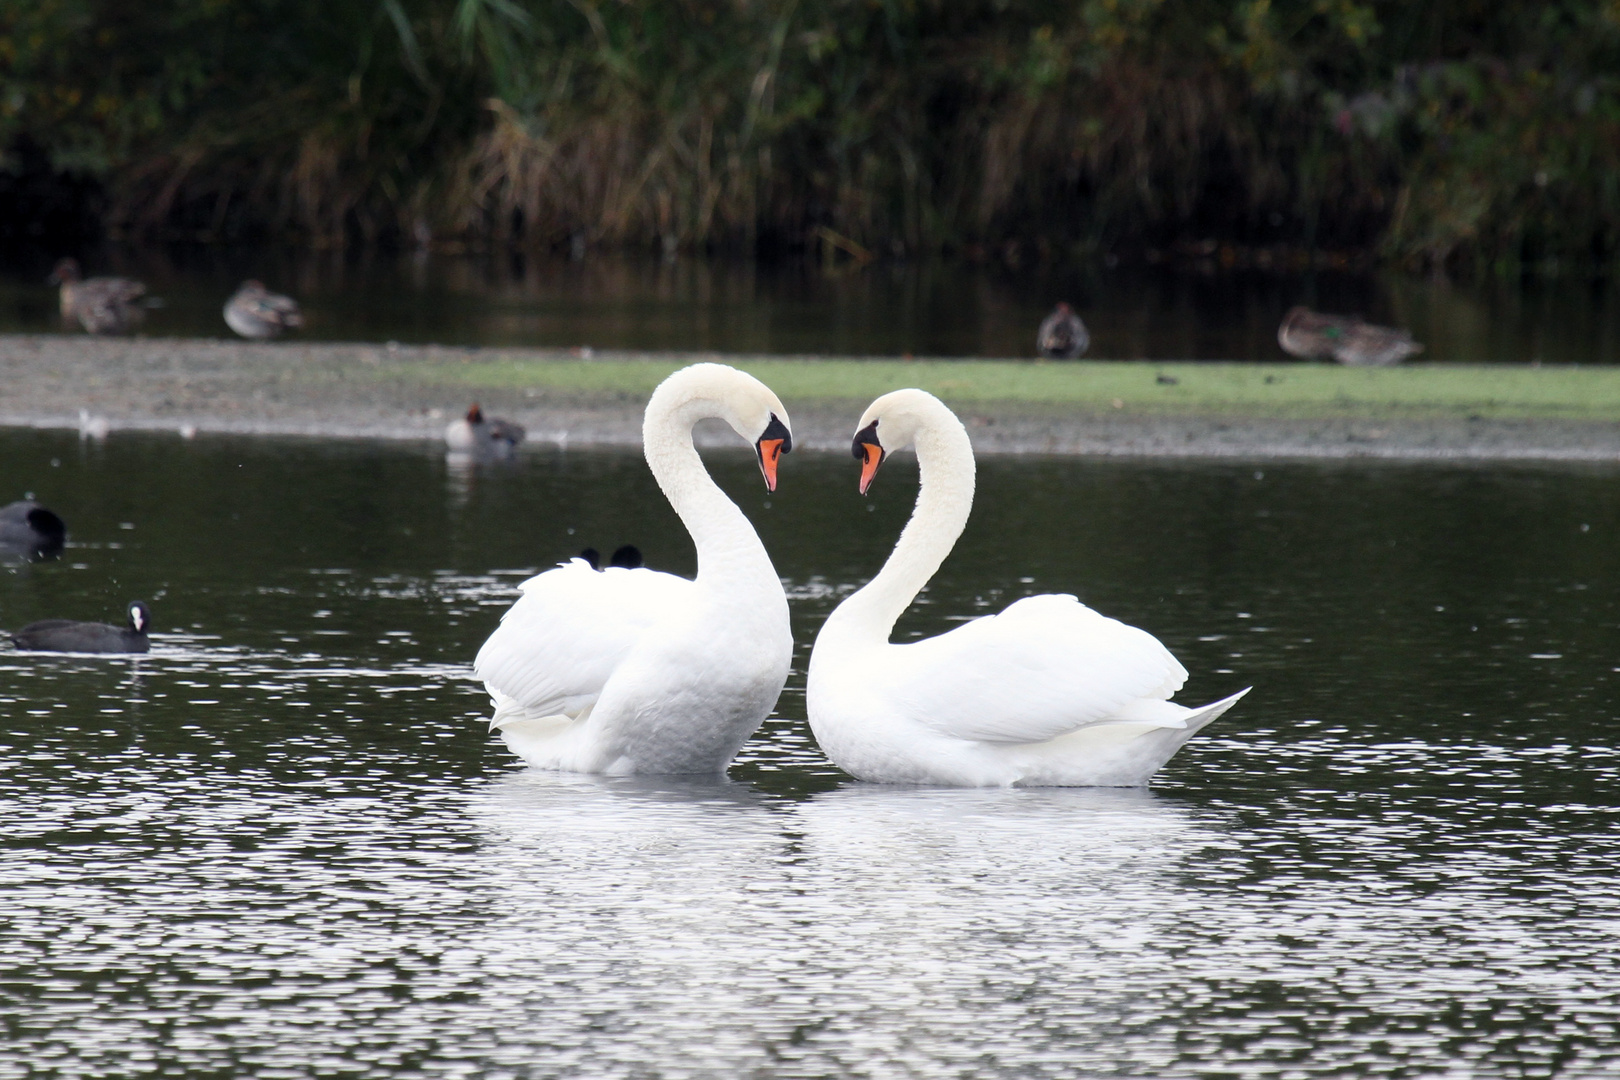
point(1250, 390)
point(1243, 410)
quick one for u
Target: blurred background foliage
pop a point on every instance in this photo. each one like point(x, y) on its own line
point(1451, 132)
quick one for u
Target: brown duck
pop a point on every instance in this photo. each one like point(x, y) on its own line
point(102, 305)
point(483, 436)
point(1348, 339)
point(256, 312)
point(1062, 335)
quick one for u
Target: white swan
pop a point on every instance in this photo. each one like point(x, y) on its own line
point(634, 671)
point(1047, 693)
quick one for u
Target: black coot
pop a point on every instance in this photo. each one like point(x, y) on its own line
point(627, 556)
point(65, 635)
point(29, 530)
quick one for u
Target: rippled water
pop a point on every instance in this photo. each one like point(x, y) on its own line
point(282, 845)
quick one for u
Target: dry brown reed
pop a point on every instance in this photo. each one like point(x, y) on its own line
point(892, 127)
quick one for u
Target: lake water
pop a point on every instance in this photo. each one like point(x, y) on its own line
point(283, 845)
point(608, 301)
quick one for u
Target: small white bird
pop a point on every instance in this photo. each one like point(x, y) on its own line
point(481, 436)
point(256, 312)
point(92, 426)
point(623, 670)
point(1047, 693)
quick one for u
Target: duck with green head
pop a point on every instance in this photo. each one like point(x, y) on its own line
point(1349, 339)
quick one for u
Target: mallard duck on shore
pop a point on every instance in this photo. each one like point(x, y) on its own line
point(256, 312)
point(483, 436)
point(102, 305)
point(1062, 335)
point(1348, 339)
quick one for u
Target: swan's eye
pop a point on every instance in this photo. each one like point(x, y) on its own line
point(776, 431)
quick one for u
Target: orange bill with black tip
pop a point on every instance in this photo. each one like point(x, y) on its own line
point(869, 452)
point(776, 441)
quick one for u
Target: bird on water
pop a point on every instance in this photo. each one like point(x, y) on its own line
point(256, 312)
point(633, 671)
point(1349, 339)
point(1062, 335)
point(29, 530)
point(65, 635)
point(483, 436)
point(1046, 693)
point(625, 557)
point(102, 305)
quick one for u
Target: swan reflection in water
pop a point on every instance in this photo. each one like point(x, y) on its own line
point(903, 833)
point(707, 918)
point(887, 930)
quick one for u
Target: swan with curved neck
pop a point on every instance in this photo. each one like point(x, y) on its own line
point(1046, 693)
point(630, 670)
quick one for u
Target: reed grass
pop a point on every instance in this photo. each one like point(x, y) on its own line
point(1449, 132)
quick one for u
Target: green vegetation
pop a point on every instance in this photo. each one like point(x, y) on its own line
point(1451, 131)
point(1294, 390)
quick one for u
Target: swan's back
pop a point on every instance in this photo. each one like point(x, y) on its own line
point(556, 647)
point(1044, 667)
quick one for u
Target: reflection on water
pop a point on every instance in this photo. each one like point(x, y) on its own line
point(926, 309)
point(283, 844)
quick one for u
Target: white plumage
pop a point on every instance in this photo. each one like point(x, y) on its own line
point(635, 671)
point(1042, 667)
point(572, 627)
point(1048, 692)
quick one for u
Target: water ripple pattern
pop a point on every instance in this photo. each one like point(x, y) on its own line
point(282, 844)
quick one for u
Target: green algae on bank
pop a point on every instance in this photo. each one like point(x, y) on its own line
point(1247, 389)
point(1435, 411)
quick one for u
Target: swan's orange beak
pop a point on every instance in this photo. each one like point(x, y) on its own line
point(869, 452)
point(770, 452)
point(776, 441)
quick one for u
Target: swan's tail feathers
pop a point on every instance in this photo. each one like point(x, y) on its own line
point(510, 713)
point(1207, 714)
point(1128, 753)
point(533, 734)
point(1148, 713)
point(535, 739)
point(507, 709)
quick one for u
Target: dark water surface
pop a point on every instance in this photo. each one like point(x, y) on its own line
point(936, 308)
point(282, 845)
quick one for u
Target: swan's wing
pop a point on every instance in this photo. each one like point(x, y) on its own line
point(1043, 667)
point(557, 646)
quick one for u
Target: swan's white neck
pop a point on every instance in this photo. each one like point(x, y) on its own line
point(727, 545)
point(944, 500)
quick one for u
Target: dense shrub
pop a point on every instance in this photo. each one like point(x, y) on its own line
point(1453, 130)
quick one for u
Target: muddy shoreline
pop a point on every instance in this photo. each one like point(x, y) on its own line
point(393, 392)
